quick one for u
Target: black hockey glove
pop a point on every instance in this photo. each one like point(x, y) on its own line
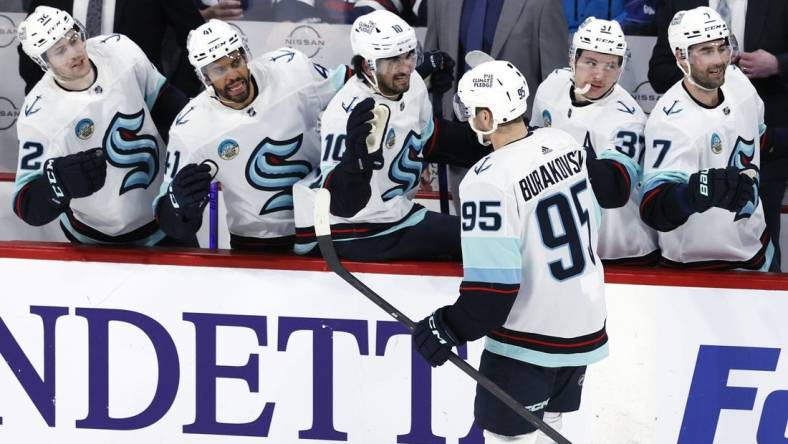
point(188, 191)
point(357, 157)
point(76, 175)
point(723, 188)
point(433, 338)
point(440, 66)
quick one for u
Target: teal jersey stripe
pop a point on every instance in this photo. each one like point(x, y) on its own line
point(163, 188)
point(492, 252)
point(632, 167)
point(304, 248)
point(657, 178)
point(149, 241)
point(337, 77)
point(150, 99)
point(414, 219)
point(512, 276)
point(545, 359)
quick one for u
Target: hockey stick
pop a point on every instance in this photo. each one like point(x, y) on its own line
point(326, 244)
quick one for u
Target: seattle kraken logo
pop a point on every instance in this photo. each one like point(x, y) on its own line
point(741, 158)
point(126, 148)
point(406, 167)
point(269, 170)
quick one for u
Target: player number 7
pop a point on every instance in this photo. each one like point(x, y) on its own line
point(665, 146)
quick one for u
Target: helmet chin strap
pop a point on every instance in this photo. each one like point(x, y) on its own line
point(374, 86)
point(688, 75)
point(481, 133)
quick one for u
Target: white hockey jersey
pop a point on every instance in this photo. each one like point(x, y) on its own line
point(684, 137)
point(530, 217)
point(613, 128)
point(263, 149)
point(114, 113)
point(390, 206)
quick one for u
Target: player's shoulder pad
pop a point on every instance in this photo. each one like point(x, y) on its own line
point(672, 105)
point(347, 98)
point(557, 138)
point(117, 47)
point(623, 102)
point(42, 108)
point(194, 122)
point(285, 56)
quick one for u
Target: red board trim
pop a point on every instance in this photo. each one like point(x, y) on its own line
point(231, 259)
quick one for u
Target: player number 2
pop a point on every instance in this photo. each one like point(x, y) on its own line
point(485, 213)
point(569, 236)
point(27, 160)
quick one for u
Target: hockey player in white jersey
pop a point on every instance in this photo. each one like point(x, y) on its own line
point(89, 149)
point(586, 101)
point(703, 153)
point(373, 175)
point(533, 282)
point(257, 122)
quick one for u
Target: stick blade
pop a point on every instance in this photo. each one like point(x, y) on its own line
point(476, 57)
point(322, 211)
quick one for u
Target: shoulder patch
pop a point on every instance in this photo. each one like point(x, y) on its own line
point(181, 119)
point(32, 108)
point(482, 167)
point(625, 109)
point(283, 54)
point(675, 108)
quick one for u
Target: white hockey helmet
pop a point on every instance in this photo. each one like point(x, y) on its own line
point(210, 42)
point(603, 36)
point(699, 25)
point(498, 86)
point(42, 29)
point(379, 35)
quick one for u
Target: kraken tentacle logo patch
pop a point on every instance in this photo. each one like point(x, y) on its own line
point(742, 158)
point(269, 170)
point(406, 167)
point(126, 148)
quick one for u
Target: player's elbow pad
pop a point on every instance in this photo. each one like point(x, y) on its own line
point(174, 225)
point(474, 315)
point(610, 182)
point(665, 208)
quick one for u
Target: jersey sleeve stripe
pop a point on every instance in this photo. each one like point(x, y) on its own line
point(492, 252)
point(468, 288)
point(657, 178)
point(632, 169)
point(497, 275)
point(151, 96)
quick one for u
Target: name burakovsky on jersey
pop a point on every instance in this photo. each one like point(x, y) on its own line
point(613, 128)
point(262, 149)
point(112, 114)
point(536, 186)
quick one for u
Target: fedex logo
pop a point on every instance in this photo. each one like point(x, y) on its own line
point(710, 394)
